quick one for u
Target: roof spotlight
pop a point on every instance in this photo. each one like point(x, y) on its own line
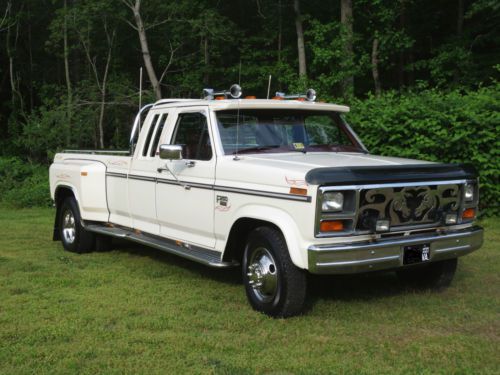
point(311, 95)
point(208, 94)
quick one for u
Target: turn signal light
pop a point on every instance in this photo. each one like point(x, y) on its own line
point(331, 226)
point(469, 213)
point(250, 97)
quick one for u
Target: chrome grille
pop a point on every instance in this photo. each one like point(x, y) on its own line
point(408, 205)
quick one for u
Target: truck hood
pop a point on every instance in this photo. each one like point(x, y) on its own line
point(305, 162)
point(290, 169)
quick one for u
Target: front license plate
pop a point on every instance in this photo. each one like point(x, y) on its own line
point(416, 253)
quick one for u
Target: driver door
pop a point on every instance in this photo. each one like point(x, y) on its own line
point(185, 210)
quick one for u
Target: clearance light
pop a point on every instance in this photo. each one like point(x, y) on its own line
point(298, 191)
point(450, 219)
point(250, 97)
point(469, 213)
point(382, 225)
point(331, 226)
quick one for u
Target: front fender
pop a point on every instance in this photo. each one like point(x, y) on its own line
point(282, 220)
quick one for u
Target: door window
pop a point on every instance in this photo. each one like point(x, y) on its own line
point(191, 133)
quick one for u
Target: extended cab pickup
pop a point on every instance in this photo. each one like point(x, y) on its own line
point(281, 188)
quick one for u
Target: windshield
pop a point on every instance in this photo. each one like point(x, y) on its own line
point(265, 131)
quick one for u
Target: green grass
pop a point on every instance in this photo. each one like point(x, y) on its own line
point(136, 310)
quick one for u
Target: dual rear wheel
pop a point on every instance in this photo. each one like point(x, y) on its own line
point(73, 235)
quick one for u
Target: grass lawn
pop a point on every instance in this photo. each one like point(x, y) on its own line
point(137, 310)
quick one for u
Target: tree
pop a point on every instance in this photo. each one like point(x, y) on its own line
point(300, 39)
point(346, 19)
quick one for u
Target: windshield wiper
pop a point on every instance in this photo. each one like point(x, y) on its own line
point(256, 148)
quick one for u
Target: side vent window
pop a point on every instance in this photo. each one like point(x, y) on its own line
point(159, 129)
point(148, 137)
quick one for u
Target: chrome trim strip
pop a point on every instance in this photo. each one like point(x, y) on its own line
point(405, 240)
point(190, 184)
point(198, 254)
point(383, 254)
point(267, 194)
point(114, 174)
point(141, 178)
point(358, 262)
point(455, 248)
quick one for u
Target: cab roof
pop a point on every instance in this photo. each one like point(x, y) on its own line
point(228, 104)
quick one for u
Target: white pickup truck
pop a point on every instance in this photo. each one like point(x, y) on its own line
point(279, 187)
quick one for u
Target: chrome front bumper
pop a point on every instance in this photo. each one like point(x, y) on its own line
point(388, 253)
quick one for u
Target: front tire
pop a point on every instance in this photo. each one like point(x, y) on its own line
point(73, 235)
point(273, 284)
point(437, 275)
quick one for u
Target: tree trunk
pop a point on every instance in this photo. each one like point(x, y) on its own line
point(104, 86)
point(69, 91)
point(206, 58)
point(346, 21)
point(401, 65)
point(145, 50)
point(300, 39)
point(375, 73)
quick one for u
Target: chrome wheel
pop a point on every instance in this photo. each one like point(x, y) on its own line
point(262, 274)
point(68, 227)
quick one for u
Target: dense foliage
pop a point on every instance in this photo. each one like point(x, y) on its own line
point(421, 75)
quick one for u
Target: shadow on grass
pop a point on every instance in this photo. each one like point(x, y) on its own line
point(226, 275)
point(367, 286)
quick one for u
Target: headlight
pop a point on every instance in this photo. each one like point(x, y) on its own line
point(469, 192)
point(333, 201)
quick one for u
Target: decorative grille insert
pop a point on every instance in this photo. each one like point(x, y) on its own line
point(411, 205)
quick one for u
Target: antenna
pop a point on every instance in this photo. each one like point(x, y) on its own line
point(140, 88)
point(238, 119)
point(269, 86)
point(140, 96)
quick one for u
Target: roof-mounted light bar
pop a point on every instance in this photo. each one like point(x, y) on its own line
point(234, 92)
point(310, 95)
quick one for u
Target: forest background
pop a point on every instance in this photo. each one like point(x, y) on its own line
point(421, 76)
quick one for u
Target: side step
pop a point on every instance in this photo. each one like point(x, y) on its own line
point(201, 255)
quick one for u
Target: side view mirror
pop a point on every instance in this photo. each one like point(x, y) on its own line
point(171, 152)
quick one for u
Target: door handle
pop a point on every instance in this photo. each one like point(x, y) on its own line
point(190, 163)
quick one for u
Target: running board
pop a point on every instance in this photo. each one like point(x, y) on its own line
point(207, 257)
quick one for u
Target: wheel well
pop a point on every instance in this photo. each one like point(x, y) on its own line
point(238, 235)
point(61, 193)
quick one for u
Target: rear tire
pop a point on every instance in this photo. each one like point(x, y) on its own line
point(437, 275)
point(73, 235)
point(273, 284)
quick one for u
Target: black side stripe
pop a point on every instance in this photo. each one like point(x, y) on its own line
point(260, 193)
point(119, 175)
point(227, 189)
